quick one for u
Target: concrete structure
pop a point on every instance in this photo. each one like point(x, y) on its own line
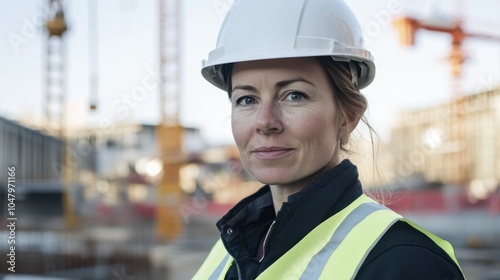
point(36, 158)
point(103, 162)
point(423, 142)
point(31, 151)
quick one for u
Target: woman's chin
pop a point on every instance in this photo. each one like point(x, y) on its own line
point(273, 179)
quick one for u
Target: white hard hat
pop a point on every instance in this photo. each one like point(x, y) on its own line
point(267, 29)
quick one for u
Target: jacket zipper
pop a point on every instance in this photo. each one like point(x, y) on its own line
point(265, 241)
point(263, 250)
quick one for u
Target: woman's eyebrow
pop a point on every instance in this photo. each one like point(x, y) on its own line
point(279, 84)
point(244, 87)
point(284, 83)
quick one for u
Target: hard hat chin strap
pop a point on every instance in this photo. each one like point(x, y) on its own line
point(353, 66)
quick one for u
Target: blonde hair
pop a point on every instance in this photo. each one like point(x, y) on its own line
point(350, 103)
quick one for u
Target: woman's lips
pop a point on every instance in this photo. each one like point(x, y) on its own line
point(271, 152)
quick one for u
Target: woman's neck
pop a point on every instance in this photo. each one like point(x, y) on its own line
point(280, 194)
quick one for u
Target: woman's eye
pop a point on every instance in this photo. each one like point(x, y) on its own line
point(295, 96)
point(245, 101)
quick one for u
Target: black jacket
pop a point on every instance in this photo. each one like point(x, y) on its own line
point(402, 253)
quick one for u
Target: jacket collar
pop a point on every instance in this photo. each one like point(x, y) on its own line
point(244, 225)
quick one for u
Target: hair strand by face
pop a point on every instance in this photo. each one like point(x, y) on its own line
point(351, 104)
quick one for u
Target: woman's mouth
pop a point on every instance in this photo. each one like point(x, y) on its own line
point(271, 152)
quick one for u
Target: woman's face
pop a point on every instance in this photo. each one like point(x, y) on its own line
point(284, 120)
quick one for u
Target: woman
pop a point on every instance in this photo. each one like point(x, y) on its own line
point(293, 70)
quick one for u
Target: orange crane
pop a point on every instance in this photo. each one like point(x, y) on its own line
point(169, 131)
point(407, 27)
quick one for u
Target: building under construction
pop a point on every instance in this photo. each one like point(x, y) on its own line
point(423, 143)
point(37, 156)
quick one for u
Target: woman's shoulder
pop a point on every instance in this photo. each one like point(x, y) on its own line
point(404, 252)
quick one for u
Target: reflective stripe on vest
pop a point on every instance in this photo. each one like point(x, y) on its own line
point(216, 264)
point(335, 249)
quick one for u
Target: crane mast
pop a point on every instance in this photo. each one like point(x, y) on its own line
point(56, 26)
point(169, 132)
point(55, 62)
point(169, 61)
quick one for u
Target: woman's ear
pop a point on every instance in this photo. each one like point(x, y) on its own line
point(347, 126)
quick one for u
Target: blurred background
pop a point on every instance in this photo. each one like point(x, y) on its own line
point(124, 158)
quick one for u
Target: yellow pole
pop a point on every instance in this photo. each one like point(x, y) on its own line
point(169, 195)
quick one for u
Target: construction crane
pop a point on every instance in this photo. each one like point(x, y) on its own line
point(56, 26)
point(54, 96)
point(407, 28)
point(169, 131)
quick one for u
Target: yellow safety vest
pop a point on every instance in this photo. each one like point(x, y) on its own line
point(335, 248)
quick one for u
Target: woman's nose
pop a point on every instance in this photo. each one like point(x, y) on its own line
point(269, 119)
